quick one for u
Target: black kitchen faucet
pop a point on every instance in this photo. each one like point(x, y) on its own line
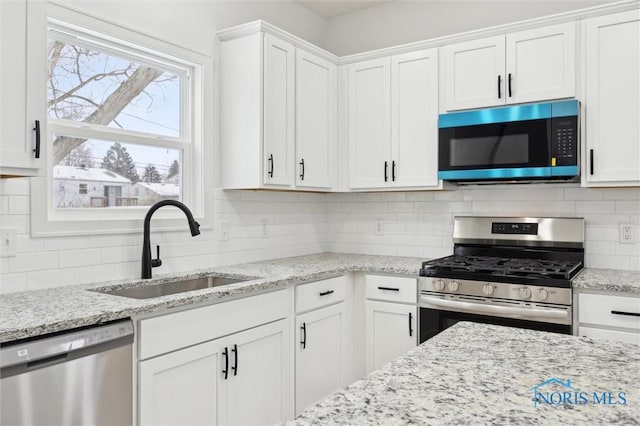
point(147, 262)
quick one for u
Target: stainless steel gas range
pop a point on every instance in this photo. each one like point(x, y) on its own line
point(506, 271)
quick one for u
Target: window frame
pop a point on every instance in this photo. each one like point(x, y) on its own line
point(195, 94)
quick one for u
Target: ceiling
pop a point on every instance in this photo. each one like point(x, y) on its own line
point(331, 8)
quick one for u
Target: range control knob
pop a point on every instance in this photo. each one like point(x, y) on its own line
point(543, 294)
point(453, 286)
point(487, 289)
point(439, 285)
point(525, 293)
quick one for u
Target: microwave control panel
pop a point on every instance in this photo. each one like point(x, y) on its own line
point(564, 141)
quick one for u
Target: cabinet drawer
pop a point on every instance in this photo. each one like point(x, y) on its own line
point(392, 289)
point(609, 310)
point(619, 336)
point(320, 293)
point(181, 329)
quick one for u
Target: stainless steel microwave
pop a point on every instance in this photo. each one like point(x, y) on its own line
point(521, 142)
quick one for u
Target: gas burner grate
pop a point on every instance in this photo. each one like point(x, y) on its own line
point(504, 266)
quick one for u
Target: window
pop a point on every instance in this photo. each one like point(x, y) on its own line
point(124, 127)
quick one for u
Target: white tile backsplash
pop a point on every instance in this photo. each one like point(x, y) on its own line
point(415, 224)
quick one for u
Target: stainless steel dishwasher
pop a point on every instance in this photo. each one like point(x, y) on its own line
point(81, 377)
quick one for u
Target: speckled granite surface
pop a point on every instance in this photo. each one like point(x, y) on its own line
point(34, 313)
point(608, 280)
point(478, 374)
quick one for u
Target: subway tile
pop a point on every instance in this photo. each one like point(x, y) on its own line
point(583, 194)
point(621, 193)
point(545, 194)
point(12, 283)
point(4, 205)
point(40, 280)
point(25, 262)
point(19, 204)
point(15, 186)
point(420, 196)
point(631, 207)
point(66, 243)
point(595, 207)
point(448, 196)
point(71, 258)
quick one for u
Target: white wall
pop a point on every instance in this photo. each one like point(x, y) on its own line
point(403, 21)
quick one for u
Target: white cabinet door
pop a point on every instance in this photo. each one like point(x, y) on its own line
point(316, 113)
point(369, 124)
point(259, 387)
point(320, 354)
point(181, 387)
point(391, 330)
point(474, 73)
point(612, 99)
point(414, 119)
point(22, 85)
point(605, 334)
point(541, 64)
point(279, 112)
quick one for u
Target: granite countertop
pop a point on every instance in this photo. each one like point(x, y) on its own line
point(33, 313)
point(608, 280)
point(484, 374)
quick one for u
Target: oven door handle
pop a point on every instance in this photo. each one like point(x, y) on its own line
point(477, 308)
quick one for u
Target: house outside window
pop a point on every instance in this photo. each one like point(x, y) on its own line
point(82, 188)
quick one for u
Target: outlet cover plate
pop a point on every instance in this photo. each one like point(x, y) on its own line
point(8, 242)
point(627, 233)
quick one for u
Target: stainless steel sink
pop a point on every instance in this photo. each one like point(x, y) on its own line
point(157, 290)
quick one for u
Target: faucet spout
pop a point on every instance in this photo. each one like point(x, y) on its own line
point(194, 227)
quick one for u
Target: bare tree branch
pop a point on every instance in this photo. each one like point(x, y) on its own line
point(110, 109)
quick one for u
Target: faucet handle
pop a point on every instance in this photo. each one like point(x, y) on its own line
point(156, 262)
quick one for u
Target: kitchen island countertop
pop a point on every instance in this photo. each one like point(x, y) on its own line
point(485, 374)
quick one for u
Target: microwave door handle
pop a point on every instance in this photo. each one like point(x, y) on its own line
point(484, 309)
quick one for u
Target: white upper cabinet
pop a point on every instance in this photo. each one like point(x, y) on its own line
point(278, 113)
point(612, 100)
point(393, 113)
point(474, 73)
point(316, 114)
point(369, 123)
point(414, 123)
point(22, 87)
point(527, 66)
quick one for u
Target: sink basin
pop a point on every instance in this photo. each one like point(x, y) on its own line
point(157, 290)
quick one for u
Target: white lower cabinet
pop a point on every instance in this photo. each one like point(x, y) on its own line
point(322, 339)
point(609, 316)
point(229, 363)
point(320, 354)
point(241, 379)
point(182, 387)
point(391, 330)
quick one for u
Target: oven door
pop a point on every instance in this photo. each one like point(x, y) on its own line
point(438, 313)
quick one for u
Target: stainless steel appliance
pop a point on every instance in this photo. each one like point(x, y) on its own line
point(506, 271)
point(82, 377)
point(532, 142)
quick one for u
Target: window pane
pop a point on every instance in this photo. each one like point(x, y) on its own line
point(87, 85)
point(98, 173)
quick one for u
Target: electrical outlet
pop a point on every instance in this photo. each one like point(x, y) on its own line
point(264, 228)
point(378, 227)
point(8, 241)
point(627, 233)
point(224, 231)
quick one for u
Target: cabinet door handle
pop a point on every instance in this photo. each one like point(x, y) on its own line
point(270, 165)
point(389, 288)
point(302, 169)
point(509, 85)
point(325, 293)
point(36, 128)
point(386, 167)
point(591, 161)
point(393, 170)
point(226, 363)
point(499, 86)
point(630, 314)
point(410, 324)
point(235, 360)
point(304, 335)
